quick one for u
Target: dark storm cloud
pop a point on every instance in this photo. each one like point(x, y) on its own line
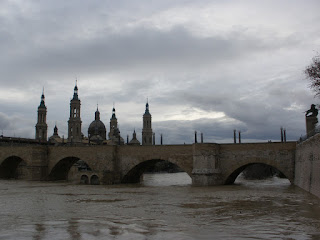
point(241, 59)
point(258, 117)
point(141, 48)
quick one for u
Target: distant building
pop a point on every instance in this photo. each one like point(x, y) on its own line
point(113, 123)
point(134, 140)
point(41, 126)
point(97, 132)
point(114, 133)
point(74, 123)
point(55, 138)
point(147, 129)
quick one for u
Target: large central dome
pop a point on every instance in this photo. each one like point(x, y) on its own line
point(97, 130)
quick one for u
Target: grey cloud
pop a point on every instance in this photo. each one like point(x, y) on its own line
point(15, 125)
point(46, 43)
point(4, 121)
point(260, 116)
point(142, 48)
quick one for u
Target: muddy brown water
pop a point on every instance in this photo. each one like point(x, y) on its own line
point(164, 206)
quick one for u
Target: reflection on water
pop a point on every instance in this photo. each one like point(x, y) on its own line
point(164, 206)
point(166, 179)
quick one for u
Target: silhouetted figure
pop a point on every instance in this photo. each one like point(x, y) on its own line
point(311, 120)
point(313, 111)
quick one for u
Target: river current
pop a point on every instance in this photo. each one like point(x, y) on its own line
point(164, 206)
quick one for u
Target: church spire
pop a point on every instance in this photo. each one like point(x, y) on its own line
point(55, 130)
point(147, 107)
point(147, 129)
point(113, 123)
point(75, 91)
point(42, 96)
point(97, 114)
point(134, 140)
point(41, 126)
point(42, 101)
point(113, 113)
point(74, 123)
point(134, 135)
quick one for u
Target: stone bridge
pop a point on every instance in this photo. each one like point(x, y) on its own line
point(205, 163)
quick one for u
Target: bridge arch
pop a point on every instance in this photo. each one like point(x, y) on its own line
point(13, 167)
point(235, 173)
point(94, 180)
point(134, 175)
point(61, 169)
point(84, 179)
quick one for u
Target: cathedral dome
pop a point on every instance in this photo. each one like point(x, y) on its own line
point(97, 128)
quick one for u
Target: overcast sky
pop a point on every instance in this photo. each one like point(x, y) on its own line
point(210, 66)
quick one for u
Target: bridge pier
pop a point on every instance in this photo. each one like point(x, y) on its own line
point(39, 165)
point(30, 164)
point(111, 177)
point(206, 166)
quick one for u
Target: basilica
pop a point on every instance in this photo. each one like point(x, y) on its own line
point(97, 131)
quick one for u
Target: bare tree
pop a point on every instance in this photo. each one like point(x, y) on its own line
point(313, 75)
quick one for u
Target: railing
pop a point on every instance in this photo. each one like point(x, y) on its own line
point(17, 140)
point(310, 134)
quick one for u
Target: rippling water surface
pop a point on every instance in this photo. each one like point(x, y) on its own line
point(164, 206)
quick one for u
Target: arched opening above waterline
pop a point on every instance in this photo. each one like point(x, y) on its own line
point(254, 171)
point(61, 170)
point(94, 180)
point(157, 172)
point(13, 167)
point(84, 179)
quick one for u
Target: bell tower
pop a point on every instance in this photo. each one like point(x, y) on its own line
point(74, 123)
point(113, 123)
point(41, 126)
point(147, 129)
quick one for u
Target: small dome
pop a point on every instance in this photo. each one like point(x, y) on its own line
point(134, 142)
point(97, 127)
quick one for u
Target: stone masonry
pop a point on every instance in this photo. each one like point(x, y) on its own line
point(307, 165)
point(206, 164)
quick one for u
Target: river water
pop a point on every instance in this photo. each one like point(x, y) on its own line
point(164, 206)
